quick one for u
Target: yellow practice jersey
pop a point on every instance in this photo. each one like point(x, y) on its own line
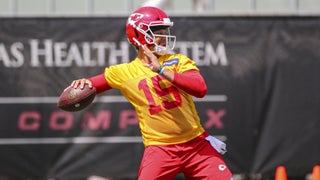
point(167, 114)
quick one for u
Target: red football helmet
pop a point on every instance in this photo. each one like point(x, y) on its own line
point(141, 23)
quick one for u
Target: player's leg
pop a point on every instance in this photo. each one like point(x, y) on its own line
point(159, 162)
point(204, 162)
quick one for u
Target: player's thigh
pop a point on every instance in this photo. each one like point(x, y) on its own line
point(206, 163)
point(212, 168)
point(158, 163)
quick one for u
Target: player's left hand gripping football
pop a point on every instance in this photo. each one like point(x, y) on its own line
point(80, 83)
point(153, 64)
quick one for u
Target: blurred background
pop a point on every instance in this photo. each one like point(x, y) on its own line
point(88, 8)
point(260, 59)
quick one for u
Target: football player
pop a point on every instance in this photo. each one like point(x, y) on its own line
point(160, 85)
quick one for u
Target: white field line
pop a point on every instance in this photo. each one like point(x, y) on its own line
point(72, 140)
point(99, 99)
point(77, 140)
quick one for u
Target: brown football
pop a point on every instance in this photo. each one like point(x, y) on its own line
point(72, 99)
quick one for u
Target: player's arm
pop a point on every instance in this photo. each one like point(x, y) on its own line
point(190, 81)
point(98, 81)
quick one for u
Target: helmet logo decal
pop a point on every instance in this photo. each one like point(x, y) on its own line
point(134, 18)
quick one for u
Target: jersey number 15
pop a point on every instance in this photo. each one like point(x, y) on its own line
point(160, 91)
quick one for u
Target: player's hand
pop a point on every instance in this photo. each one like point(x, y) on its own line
point(153, 63)
point(80, 83)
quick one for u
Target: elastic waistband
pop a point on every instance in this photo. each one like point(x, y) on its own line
point(200, 137)
point(204, 135)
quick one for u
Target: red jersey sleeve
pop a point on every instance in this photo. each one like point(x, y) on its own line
point(191, 82)
point(100, 83)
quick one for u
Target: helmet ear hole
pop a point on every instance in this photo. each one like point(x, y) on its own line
point(136, 33)
point(149, 39)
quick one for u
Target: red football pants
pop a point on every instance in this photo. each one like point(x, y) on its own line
point(196, 159)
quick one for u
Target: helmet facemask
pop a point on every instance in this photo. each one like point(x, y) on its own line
point(168, 45)
point(150, 38)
